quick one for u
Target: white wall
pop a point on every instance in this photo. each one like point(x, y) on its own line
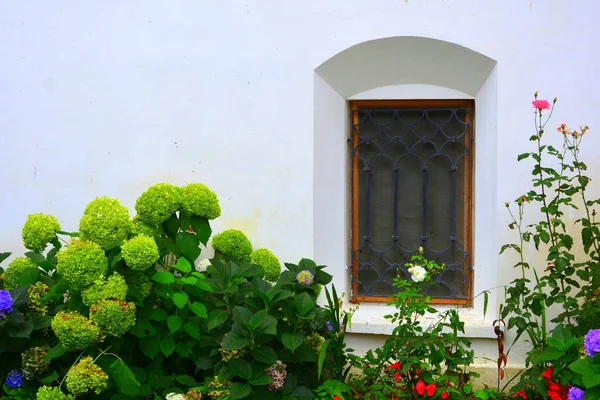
point(106, 98)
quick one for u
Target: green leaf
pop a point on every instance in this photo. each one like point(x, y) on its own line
point(201, 226)
point(262, 380)
point(241, 315)
point(150, 346)
point(256, 320)
point(268, 326)
point(55, 352)
point(18, 326)
point(321, 360)
point(167, 346)
point(4, 256)
point(50, 378)
point(550, 354)
point(192, 330)
point(28, 277)
point(186, 380)
point(240, 368)
point(189, 280)
point(304, 303)
point(174, 323)
point(180, 299)
point(234, 340)
point(240, 390)
point(292, 340)
point(183, 265)
point(198, 309)
point(188, 244)
point(217, 318)
point(163, 277)
point(265, 355)
point(124, 378)
point(523, 156)
point(158, 315)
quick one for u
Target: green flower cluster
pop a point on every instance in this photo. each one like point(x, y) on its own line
point(157, 203)
point(33, 360)
point(266, 259)
point(81, 263)
point(139, 283)
point(315, 341)
point(52, 393)
point(114, 287)
point(75, 331)
point(16, 269)
point(221, 386)
point(85, 376)
point(38, 230)
point(36, 293)
point(198, 199)
point(142, 228)
point(140, 252)
point(113, 317)
point(233, 244)
point(105, 222)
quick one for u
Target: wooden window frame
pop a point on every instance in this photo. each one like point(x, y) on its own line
point(355, 105)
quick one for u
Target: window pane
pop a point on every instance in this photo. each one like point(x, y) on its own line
point(411, 184)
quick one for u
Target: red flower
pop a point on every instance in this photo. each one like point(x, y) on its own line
point(541, 104)
point(554, 396)
point(395, 365)
point(521, 394)
point(336, 397)
point(445, 395)
point(548, 373)
point(420, 387)
point(430, 389)
point(554, 387)
point(397, 377)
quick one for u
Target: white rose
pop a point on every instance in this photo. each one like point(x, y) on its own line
point(203, 265)
point(417, 273)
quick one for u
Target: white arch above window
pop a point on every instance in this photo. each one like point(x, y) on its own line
point(404, 60)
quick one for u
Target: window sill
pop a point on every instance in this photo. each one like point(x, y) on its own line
point(369, 319)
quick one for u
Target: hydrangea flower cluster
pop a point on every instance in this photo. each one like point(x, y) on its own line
point(14, 379)
point(157, 203)
point(52, 393)
point(38, 230)
point(105, 222)
point(233, 244)
point(269, 262)
point(278, 373)
point(140, 252)
point(198, 199)
point(138, 283)
point(576, 394)
point(113, 317)
point(33, 360)
point(142, 228)
point(218, 384)
point(81, 263)
point(36, 293)
point(315, 341)
point(114, 287)
point(85, 376)
point(203, 265)
point(75, 331)
point(16, 269)
point(175, 396)
point(592, 342)
point(6, 303)
point(305, 278)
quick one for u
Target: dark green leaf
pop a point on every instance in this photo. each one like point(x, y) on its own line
point(158, 315)
point(55, 352)
point(186, 380)
point(292, 340)
point(262, 380)
point(241, 315)
point(322, 355)
point(124, 378)
point(240, 368)
point(198, 309)
point(188, 244)
point(167, 346)
point(304, 303)
point(217, 318)
point(174, 323)
point(150, 346)
point(240, 390)
point(265, 355)
point(4, 256)
point(192, 330)
point(50, 378)
point(202, 228)
point(234, 340)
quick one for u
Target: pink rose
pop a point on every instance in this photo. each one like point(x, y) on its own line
point(541, 104)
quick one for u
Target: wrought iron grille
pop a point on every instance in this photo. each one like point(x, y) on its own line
point(411, 170)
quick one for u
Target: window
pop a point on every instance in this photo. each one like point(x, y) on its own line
point(411, 167)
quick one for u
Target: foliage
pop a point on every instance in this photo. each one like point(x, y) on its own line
point(268, 261)
point(570, 279)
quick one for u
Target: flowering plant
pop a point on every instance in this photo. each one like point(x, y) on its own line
point(586, 381)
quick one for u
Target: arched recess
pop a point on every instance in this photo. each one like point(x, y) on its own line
point(404, 67)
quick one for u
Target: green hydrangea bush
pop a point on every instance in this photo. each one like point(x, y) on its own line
point(124, 309)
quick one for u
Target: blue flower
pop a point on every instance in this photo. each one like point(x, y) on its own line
point(305, 278)
point(6, 303)
point(329, 327)
point(592, 342)
point(576, 394)
point(14, 379)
